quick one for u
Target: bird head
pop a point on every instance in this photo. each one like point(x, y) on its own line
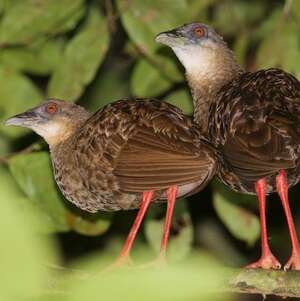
point(197, 46)
point(54, 120)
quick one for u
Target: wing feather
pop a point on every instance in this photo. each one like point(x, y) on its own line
point(154, 162)
point(143, 145)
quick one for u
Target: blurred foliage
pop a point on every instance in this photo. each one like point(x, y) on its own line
point(182, 232)
point(242, 223)
point(23, 253)
point(95, 52)
point(79, 63)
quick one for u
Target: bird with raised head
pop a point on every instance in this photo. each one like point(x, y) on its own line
point(252, 118)
point(124, 156)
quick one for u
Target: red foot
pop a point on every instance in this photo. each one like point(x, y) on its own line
point(121, 262)
point(293, 263)
point(282, 188)
point(265, 262)
point(160, 261)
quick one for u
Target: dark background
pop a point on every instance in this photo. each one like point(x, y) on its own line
point(95, 52)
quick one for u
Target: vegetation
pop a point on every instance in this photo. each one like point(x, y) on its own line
point(94, 52)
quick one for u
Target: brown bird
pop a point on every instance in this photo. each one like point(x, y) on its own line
point(124, 156)
point(252, 118)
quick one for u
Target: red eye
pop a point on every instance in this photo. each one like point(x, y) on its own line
point(51, 108)
point(199, 32)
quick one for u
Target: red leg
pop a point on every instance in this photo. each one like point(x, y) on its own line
point(267, 259)
point(171, 193)
point(124, 256)
point(282, 189)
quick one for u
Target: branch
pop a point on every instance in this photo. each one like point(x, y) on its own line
point(33, 147)
point(262, 282)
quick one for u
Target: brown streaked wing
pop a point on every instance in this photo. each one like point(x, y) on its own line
point(257, 149)
point(153, 160)
point(256, 123)
point(146, 145)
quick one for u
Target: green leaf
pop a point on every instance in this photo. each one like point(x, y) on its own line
point(2, 4)
point(241, 223)
point(34, 175)
point(89, 224)
point(183, 282)
point(26, 20)
point(147, 81)
point(5, 146)
point(180, 242)
point(281, 46)
point(153, 77)
point(295, 8)
point(231, 15)
point(143, 20)
point(200, 10)
point(17, 94)
point(111, 83)
point(38, 59)
point(247, 200)
point(81, 59)
point(10, 190)
point(269, 23)
point(23, 253)
point(182, 99)
point(241, 47)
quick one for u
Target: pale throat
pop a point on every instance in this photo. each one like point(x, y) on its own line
point(54, 132)
point(207, 71)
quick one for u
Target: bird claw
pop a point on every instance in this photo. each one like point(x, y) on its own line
point(265, 262)
point(120, 262)
point(158, 262)
point(293, 263)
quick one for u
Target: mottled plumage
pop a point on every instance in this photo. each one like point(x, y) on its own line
point(251, 118)
point(124, 156)
point(129, 147)
point(255, 121)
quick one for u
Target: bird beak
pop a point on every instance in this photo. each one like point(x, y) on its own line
point(171, 38)
point(25, 119)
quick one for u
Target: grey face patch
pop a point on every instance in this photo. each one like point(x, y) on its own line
point(185, 35)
